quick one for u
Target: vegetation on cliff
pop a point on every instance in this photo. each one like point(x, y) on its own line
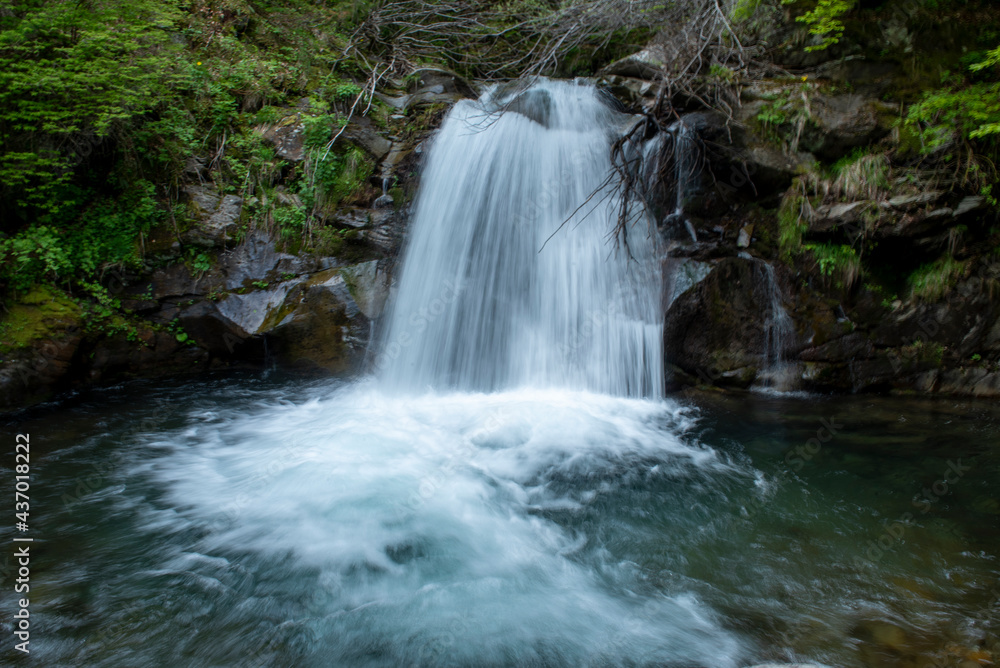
point(113, 115)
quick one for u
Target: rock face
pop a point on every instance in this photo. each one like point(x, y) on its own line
point(255, 303)
point(300, 308)
point(218, 218)
point(324, 328)
point(717, 330)
point(770, 201)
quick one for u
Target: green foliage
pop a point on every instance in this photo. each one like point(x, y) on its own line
point(838, 261)
point(744, 9)
point(722, 73)
point(774, 112)
point(931, 281)
point(966, 111)
point(791, 223)
point(346, 91)
point(824, 20)
point(70, 75)
point(291, 220)
point(198, 262)
point(339, 178)
point(861, 175)
point(103, 235)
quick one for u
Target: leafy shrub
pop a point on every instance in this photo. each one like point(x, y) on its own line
point(104, 235)
point(838, 261)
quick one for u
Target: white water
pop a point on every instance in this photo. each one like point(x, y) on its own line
point(435, 515)
point(777, 374)
point(503, 285)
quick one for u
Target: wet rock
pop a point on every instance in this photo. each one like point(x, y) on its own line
point(681, 274)
point(633, 93)
point(852, 346)
point(287, 137)
point(369, 286)
point(974, 382)
point(210, 329)
point(715, 330)
point(216, 225)
point(250, 311)
point(325, 329)
point(646, 64)
point(258, 259)
point(158, 353)
point(386, 232)
point(534, 104)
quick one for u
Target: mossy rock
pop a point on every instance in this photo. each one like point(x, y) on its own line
point(43, 313)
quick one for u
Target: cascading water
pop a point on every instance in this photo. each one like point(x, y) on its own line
point(671, 162)
point(308, 524)
point(476, 502)
point(778, 329)
point(509, 279)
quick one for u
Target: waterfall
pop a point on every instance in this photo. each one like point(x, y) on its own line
point(778, 330)
point(509, 277)
point(671, 170)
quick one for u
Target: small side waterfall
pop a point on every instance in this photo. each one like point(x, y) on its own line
point(671, 166)
point(509, 278)
point(778, 330)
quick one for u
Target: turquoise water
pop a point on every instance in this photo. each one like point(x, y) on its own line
point(250, 520)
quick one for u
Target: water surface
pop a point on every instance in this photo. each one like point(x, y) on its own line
point(272, 521)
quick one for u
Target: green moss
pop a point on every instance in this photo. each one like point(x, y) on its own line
point(931, 281)
point(40, 314)
point(791, 224)
point(862, 175)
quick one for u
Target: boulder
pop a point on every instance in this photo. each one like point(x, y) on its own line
point(646, 64)
point(827, 126)
point(249, 312)
point(369, 286)
point(534, 104)
point(324, 329)
point(715, 330)
point(287, 137)
point(210, 329)
point(363, 134)
point(41, 336)
point(217, 219)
